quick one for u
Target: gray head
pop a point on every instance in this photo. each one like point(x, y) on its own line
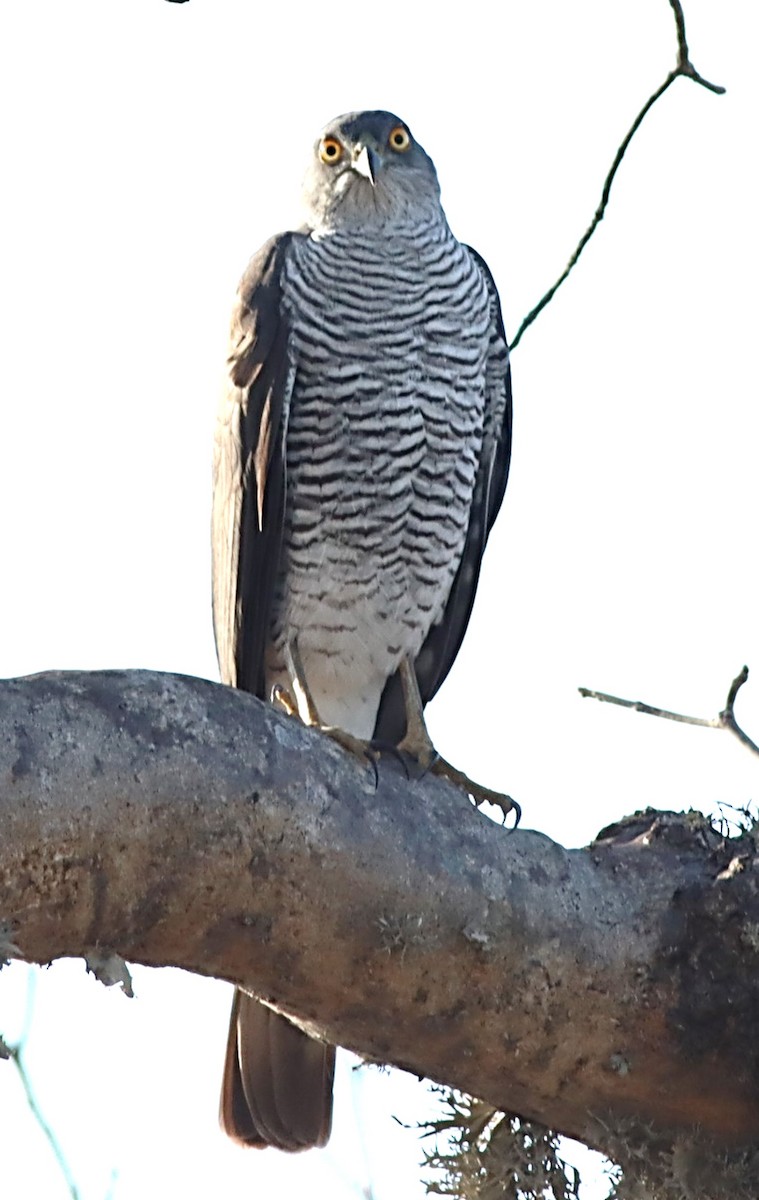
point(367, 169)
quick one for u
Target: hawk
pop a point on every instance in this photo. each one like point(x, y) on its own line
point(361, 457)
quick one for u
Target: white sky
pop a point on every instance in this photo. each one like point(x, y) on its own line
point(147, 150)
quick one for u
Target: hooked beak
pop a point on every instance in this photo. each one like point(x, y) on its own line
point(366, 162)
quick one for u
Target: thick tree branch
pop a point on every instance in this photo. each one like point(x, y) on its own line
point(683, 67)
point(177, 822)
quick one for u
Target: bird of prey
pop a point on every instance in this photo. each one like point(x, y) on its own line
point(361, 457)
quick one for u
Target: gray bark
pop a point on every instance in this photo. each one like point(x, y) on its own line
point(177, 822)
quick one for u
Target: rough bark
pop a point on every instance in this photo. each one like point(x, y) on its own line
point(177, 822)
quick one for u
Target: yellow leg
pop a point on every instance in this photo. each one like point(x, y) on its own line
point(417, 745)
point(416, 742)
point(304, 701)
point(301, 703)
point(281, 698)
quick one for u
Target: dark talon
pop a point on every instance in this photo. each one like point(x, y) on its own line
point(373, 761)
point(399, 757)
point(515, 808)
point(413, 769)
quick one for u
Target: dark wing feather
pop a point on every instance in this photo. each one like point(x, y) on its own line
point(249, 470)
point(277, 1082)
point(443, 642)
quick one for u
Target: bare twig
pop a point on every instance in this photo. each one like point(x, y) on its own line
point(16, 1056)
point(685, 68)
point(724, 720)
point(15, 1053)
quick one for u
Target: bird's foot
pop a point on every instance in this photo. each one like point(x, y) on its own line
point(358, 747)
point(419, 758)
point(479, 793)
point(307, 713)
point(413, 768)
point(281, 698)
point(417, 752)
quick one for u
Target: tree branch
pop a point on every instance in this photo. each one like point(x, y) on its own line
point(724, 720)
point(683, 67)
point(177, 822)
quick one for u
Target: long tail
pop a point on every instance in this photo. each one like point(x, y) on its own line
point(277, 1084)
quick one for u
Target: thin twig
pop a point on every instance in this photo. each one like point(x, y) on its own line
point(685, 68)
point(16, 1055)
point(724, 720)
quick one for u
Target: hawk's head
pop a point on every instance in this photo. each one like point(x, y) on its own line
point(367, 169)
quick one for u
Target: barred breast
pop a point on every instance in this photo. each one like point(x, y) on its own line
point(390, 331)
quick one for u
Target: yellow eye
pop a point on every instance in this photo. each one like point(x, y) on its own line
point(330, 150)
point(399, 139)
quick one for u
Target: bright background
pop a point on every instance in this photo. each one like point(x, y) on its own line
point(147, 149)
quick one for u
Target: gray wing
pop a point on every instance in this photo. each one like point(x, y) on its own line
point(249, 470)
point(443, 642)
